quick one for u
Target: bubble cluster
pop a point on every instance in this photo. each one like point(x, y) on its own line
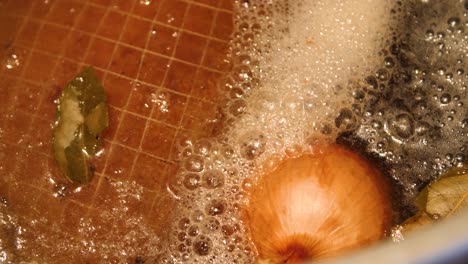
point(293, 67)
point(8, 225)
point(207, 217)
point(415, 119)
point(114, 235)
point(12, 61)
point(318, 71)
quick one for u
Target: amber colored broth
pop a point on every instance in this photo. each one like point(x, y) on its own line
point(159, 63)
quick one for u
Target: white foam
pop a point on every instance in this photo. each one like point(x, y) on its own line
point(294, 64)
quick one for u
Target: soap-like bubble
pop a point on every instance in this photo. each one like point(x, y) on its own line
point(346, 120)
point(194, 163)
point(215, 207)
point(193, 230)
point(252, 145)
point(202, 246)
point(184, 223)
point(401, 126)
point(445, 98)
point(197, 216)
point(191, 181)
point(213, 179)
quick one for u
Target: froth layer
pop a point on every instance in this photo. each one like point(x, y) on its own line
point(293, 66)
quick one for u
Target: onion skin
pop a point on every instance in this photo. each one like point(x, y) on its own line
point(318, 205)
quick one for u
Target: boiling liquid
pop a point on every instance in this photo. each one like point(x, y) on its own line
point(388, 77)
point(385, 77)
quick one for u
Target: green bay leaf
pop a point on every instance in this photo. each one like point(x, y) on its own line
point(81, 118)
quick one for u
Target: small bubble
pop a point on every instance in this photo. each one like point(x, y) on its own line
point(236, 93)
point(227, 230)
point(326, 129)
point(244, 26)
point(202, 246)
point(194, 163)
point(182, 248)
point(402, 125)
point(211, 225)
point(464, 123)
point(460, 157)
point(441, 46)
point(12, 61)
point(372, 81)
point(247, 184)
point(60, 190)
point(382, 74)
point(184, 223)
point(191, 181)
point(186, 152)
point(198, 216)
point(358, 94)
point(449, 156)
point(376, 124)
point(213, 179)
point(453, 21)
point(170, 19)
point(435, 216)
point(346, 119)
point(380, 145)
point(253, 145)
point(188, 242)
point(202, 147)
point(441, 71)
point(3, 201)
point(445, 98)
point(231, 248)
point(160, 100)
point(449, 76)
point(215, 207)
point(227, 152)
point(237, 107)
point(193, 231)
point(389, 62)
point(237, 239)
point(429, 34)
point(247, 250)
point(182, 236)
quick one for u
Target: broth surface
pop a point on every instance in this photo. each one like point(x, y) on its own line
point(202, 94)
point(159, 62)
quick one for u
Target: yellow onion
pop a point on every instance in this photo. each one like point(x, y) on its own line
point(317, 205)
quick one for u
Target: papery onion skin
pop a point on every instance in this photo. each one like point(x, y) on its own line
point(318, 205)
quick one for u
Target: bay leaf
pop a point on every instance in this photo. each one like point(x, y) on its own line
point(418, 220)
point(440, 199)
point(447, 195)
point(81, 117)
